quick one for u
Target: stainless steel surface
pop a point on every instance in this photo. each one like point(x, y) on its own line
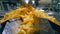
point(13, 25)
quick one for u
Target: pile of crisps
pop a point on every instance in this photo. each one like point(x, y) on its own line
point(28, 15)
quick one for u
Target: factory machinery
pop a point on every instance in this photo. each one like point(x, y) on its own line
point(5, 11)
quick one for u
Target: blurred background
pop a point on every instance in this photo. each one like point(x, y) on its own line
point(52, 7)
